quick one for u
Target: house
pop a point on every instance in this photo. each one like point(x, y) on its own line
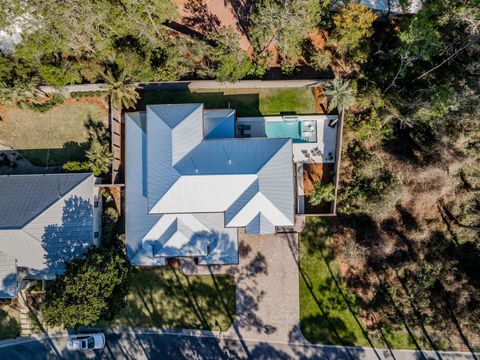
point(394, 6)
point(45, 220)
point(190, 185)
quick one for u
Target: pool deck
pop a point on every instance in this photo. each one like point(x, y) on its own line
point(321, 151)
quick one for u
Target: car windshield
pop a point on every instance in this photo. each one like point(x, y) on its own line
point(91, 342)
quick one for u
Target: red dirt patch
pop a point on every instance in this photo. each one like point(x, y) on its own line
point(316, 172)
point(321, 102)
point(217, 12)
point(312, 173)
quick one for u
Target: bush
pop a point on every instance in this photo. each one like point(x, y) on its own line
point(76, 166)
point(109, 221)
point(56, 99)
point(81, 94)
point(322, 192)
point(320, 61)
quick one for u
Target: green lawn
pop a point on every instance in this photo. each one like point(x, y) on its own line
point(246, 102)
point(169, 299)
point(328, 311)
point(58, 135)
point(9, 322)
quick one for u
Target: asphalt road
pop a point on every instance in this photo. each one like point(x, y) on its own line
point(167, 346)
point(163, 346)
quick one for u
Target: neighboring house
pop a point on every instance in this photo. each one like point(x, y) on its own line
point(11, 36)
point(45, 220)
point(394, 6)
point(193, 177)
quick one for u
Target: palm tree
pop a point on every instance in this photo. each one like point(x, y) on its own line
point(121, 91)
point(99, 157)
point(341, 96)
point(322, 192)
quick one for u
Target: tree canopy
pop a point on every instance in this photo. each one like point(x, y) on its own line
point(93, 288)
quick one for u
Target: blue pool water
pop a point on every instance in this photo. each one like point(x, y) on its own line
point(284, 129)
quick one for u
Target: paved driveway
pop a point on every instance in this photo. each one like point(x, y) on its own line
point(267, 288)
point(267, 293)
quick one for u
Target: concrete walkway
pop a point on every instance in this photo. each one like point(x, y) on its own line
point(25, 321)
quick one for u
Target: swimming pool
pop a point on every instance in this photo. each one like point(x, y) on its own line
point(290, 129)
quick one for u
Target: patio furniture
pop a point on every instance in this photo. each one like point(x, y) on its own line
point(333, 122)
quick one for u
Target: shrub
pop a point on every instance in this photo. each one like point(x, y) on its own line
point(76, 166)
point(45, 106)
point(320, 61)
point(109, 221)
point(322, 192)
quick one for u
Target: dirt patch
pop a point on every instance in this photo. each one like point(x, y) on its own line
point(204, 16)
point(316, 172)
point(321, 101)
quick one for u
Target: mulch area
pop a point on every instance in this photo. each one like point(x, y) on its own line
point(312, 173)
point(321, 101)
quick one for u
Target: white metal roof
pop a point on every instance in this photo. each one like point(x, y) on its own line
point(184, 193)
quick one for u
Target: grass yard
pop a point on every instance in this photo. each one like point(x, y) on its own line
point(328, 311)
point(246, 102)
point(9, 322)
point(58, 135)
point(167, 298)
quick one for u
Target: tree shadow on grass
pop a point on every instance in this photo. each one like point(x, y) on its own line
point(9, 326)
point(70, 150)
point(244, 104)
point(338, 299)
point(167, 298)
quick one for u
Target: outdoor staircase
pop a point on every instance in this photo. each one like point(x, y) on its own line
point(25, 322)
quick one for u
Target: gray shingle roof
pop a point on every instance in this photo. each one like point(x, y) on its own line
point(24, 197)
point(54, 220)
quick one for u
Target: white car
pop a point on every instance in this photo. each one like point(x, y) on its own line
point(86, 341)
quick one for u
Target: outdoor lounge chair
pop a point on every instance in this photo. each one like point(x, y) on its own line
point(332, 123)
